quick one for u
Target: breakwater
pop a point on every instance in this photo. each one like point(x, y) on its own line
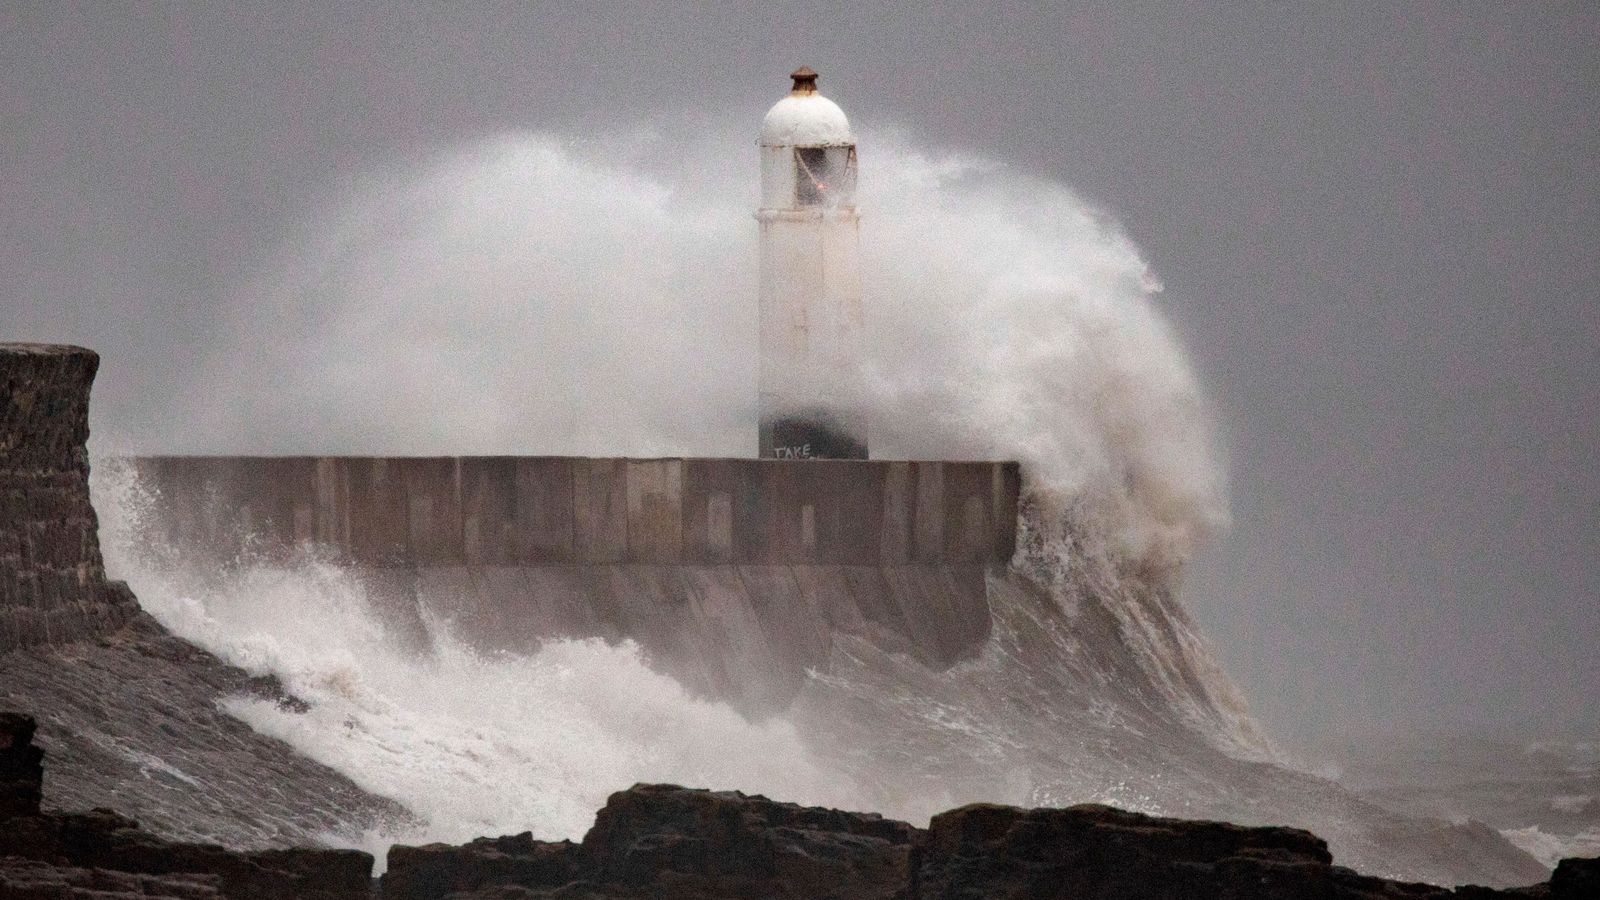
point(508, 510)
point(735, 576)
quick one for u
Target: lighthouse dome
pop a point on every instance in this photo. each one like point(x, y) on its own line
point(805, 120)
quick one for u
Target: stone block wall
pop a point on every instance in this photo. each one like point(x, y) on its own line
point(53, 586)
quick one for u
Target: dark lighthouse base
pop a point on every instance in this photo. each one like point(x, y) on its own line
point(813, 435)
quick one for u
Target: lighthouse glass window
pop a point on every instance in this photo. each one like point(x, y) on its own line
point(824, 176)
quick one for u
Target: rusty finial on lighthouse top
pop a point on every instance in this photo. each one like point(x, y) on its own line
point(805, 80)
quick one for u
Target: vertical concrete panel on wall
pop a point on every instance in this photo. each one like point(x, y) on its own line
point(163, 478)
point(433, 509)
point(283, 487)
point(781, 499)
point(968, 494)
point(819, 511)
point(600, 510)
point(655, 510)
point(211, 484)
point(852, 527)
point(380, 532)
point(545, 509)
point(718, 510)
point(489, 532)
point(183, 488)
point(1007, 493)
point(894, 535)
point(929, 515)
point(719, 526)
point(332, 491)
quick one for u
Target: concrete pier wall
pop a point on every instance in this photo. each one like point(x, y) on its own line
point(440, 511)
point(736, 577)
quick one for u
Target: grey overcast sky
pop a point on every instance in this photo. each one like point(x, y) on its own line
point(1377, 225)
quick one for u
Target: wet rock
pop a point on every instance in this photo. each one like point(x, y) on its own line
point(984, 851)
point(21, 767)
point(1575, 879)
point(665, 841)
point(103, 854)
point(662, 841)
point(697, 843)
point(441, 870)
point(29, 879)
point(104, 841)
point(668, 841)
point(138, 720)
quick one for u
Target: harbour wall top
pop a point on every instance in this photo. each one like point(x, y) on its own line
point(511, 510)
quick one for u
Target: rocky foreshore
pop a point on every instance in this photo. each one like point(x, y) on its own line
point(664, 841)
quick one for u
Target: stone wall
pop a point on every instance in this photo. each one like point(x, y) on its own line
point(53, 584)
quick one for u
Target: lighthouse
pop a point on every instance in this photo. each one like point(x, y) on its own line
point(810, 383)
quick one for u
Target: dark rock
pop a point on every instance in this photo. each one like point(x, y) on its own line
point(102, 840)
point(697, 843)
point(1576, 879)
point(984, 851)
point(440, 870)
point(668, 841)
point(29, 879)
point(662, 841)
point(21, 767)
point(103, 854)
point(177, 761)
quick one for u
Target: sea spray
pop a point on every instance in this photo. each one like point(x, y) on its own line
point(520, 296)
point(530, 294)
point(473, 743)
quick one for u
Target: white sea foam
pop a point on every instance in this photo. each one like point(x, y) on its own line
point(473, 744)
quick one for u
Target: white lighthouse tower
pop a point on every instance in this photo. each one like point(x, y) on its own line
point(811, 397)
